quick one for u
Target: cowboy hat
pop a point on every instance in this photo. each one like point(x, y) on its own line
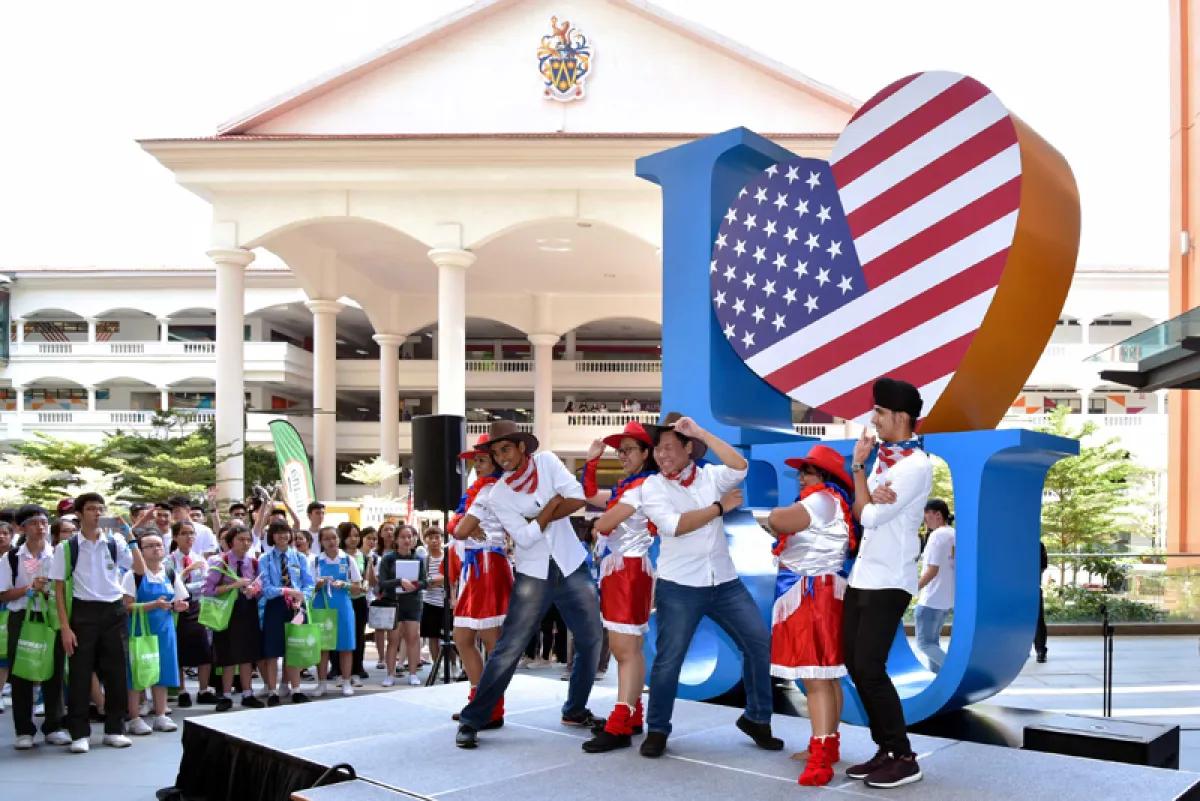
point(826, 459)
point(633, 430)
point(507, 430)
point(668, 424)
point(479, 447)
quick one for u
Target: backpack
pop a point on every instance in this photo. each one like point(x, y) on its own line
point(167, 567)
point(12, 564)
point(73, 552)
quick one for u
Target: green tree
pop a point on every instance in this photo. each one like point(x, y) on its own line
point(1088, 498)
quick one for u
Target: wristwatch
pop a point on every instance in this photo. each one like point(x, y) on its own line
point(857, 467)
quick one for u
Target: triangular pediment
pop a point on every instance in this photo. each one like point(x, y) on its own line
point(477, 72)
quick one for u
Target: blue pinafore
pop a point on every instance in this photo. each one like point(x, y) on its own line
point(162, 624)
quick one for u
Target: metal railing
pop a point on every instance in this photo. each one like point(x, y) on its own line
point(499, 366)
point(616, 365)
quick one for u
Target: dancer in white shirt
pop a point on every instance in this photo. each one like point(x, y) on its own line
point(532, 500)
point(890, 505)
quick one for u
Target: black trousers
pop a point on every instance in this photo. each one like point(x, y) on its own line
point(1039, 636)
point(361, 612)
point(102, 647)
point(869, 622)
point(22, 690)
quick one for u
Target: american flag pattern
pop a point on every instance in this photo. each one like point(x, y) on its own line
point(882, 262)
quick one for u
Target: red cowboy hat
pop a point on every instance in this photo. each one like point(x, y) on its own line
point(633, 430)
point(827, 459)
point(480, 447)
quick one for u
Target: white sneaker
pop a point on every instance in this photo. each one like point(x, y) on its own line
point(39, 711)
point(80, 746)
point(164, 723)
point(59, 737)
point(388, 681)
point(137, 727)
point(118, 740)
point(347, 690)
point(356, 682)
point(317, 693)
point(286, 691)
point(24, 742)
point(414, 680)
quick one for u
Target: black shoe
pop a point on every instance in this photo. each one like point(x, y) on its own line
point(654, 744)
point(760, 733)
point(299, 698)
point(606, 741)
point(584, 719)
point(895, 772)
point(250, 702)
point(865, 769)
point(183, 701)
point(95, 714)
point(466, 737)
point(224, 704)
point(599, 723)
point(364, 675)
point(462, 676)
point(498, 723)
point(206, 697)
point(1041, 658)
point(306, 674)
point(272, 700)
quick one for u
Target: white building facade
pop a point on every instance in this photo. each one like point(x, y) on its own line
point(383, 246)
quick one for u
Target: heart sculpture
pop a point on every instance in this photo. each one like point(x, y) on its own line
point(936, 246)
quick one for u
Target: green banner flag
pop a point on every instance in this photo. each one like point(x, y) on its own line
point(294, 468)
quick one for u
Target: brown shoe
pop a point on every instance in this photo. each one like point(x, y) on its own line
point(896, 772)
point(865, 769)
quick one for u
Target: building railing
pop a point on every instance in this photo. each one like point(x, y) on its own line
point(475, 428)
point(498, 366)
point(94, 349)
point(1143, 420)
point(610, 419)
point(615, 365)
point(41, 418)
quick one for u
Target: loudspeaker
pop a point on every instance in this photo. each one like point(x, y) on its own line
point(437, 440)
point(1137, 743)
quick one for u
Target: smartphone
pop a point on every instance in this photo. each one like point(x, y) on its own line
point(113, 524)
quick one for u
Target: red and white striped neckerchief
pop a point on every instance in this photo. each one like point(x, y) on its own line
point(524, 480)
point(892, 452)
point(686, 476)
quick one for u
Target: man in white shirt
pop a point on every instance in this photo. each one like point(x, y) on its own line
point(890, 505)
point(937, 582)
point(532, 500)
point(696, 576)
point(24, 576)
point(94, 624)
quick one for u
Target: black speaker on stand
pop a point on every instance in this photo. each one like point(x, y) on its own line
point(437, 484)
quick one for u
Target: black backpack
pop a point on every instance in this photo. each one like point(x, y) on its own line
point(167, 566)
point(73, 549)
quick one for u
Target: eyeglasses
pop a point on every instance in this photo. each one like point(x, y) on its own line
point(152, 545)
point(630, 451)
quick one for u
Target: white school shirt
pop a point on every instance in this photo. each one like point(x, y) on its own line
point(887, 557)
point(205, 542)
point(25, 576)
point(534, 547)
point(196, 578)
point(939, 551)
point(700, 558)
point(96, 577)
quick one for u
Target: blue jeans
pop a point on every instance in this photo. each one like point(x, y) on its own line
point(929, 633)
point(678, 612)
point(575, 597)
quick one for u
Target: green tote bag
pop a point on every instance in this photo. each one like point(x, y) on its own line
point(34, 659)
point(143, 652)
point(326, 619)
point(303, 648)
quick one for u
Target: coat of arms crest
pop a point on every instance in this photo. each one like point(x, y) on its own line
point(565, 61)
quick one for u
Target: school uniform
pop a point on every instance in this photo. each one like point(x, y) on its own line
point(29, 566)
point(193, 641)
point(101, 626)
point(407, 602)
point(280, 570)
point(152, 586)
point(340, 568)
point(241, 642)
point(361, 605)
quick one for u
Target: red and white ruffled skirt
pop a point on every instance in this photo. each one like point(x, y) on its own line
point(806, 627)
point(483, 589)
point(626, 592)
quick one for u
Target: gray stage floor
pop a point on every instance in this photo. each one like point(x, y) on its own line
point(403, 741)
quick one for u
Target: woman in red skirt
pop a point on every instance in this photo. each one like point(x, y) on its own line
point(626, 578)
point(806, 624)
point(486, 579)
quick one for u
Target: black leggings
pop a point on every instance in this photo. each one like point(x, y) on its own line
point(360, 632)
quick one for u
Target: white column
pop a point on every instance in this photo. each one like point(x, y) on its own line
point(230, 356)
point(1085, 397)
point(389, 404)
point(498, 350)
point(91, 323)
point(1085, 328)
point(14, 427)
point(452, 264)
point(91, 399)
point(569, 345)
point(325, 396)
point(164, 399)
point(163, 329)
point(20, 399)
point(20, 321)
point(543, 385)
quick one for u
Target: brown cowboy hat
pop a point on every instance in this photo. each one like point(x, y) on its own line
point(479, 447)
point(826, 459)
point(507, 430)
point(668, 424)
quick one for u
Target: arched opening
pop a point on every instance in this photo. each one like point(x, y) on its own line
point(126, 324)
point(196, 324)
point(1111, 328)
point(487, 340)
point(1067, 331)
point(55, 394)
point(292, 323)
point(54, 326)
point(126, 393)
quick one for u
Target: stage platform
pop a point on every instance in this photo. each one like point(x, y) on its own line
point(401, 745)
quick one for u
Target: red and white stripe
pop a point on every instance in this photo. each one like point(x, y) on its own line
point(928, 172)
point(50, 331)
